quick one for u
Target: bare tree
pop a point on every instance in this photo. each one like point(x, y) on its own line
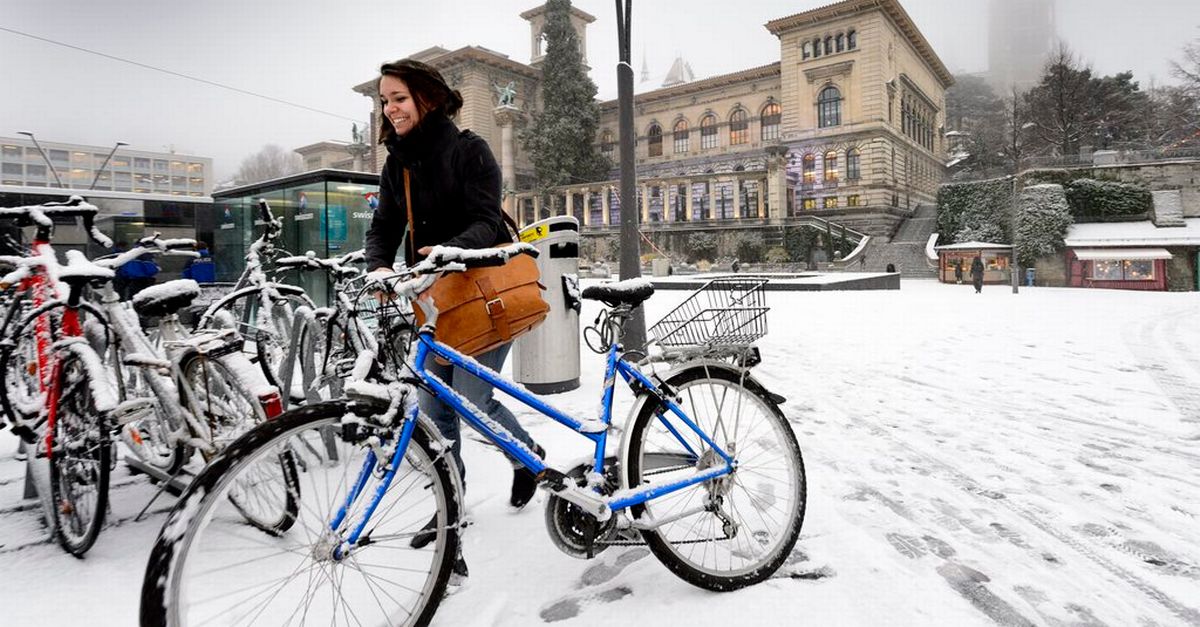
point(1018, 125)
point(1189, 69)
point(268, 163)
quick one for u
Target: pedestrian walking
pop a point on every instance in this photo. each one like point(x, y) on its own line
point(958, 270)
point(977, 273)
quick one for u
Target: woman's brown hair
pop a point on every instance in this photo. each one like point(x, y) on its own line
point(429, 91)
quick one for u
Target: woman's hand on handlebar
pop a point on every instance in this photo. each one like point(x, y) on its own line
point(381, 295)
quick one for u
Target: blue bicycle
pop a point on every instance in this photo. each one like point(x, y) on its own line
point(706, 472)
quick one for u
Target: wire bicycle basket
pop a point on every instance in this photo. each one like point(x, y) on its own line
point(727, 312)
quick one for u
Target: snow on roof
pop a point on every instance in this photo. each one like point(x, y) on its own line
point(974, 246)
point(1142, 233)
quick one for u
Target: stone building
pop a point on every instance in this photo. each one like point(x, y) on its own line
point(847, 126)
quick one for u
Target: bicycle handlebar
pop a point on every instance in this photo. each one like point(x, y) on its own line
point(42, 216)
point(442, 259)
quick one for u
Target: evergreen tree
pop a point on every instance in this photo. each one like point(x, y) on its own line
point(1060, 105)
point(561, 140)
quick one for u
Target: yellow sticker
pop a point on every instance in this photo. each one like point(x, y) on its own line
point(534, 233)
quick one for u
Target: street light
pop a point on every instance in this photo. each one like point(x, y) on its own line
point(100, 170)
point(44, 157)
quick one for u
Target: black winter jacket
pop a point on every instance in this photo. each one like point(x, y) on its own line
point(455, 187)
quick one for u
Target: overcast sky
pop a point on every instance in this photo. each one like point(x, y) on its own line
point(312, 52)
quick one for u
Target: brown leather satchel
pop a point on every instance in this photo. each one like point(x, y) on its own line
point(483, 308)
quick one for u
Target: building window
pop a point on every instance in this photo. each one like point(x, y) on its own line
point(831, 167)
point(810, 169)
point(1123, 270)
point(771, 116)
point(852, 40)
point(828, 45)
point(806, 50)
point(607, 146)
point(141, 163)
point(829, 202)
point(654, 140)
point(12, 153)
point(840, 42)
point(680, 134)
point(708, 131)
point(829, 107)
point(809, 204)
point(853, 159)
point(853, 200)
point(739, 128)
point(817, 47)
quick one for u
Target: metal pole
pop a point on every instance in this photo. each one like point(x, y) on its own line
point(635, 327)
point(44, 157)
point(1016, 207)
point(100, 170)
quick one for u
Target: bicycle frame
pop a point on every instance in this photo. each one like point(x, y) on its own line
point(594, 430)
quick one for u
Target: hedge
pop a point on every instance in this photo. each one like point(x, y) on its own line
point(1103, 199)
point(1042, 222)
point(967, 211)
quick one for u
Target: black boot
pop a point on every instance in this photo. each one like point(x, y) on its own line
point(427, 534)
point(524, 483)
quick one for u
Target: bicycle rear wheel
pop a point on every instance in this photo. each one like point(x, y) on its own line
point(743, 525)
point(79, 460)
point(209, 567)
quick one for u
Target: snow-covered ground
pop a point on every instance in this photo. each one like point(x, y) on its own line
point(972, 460)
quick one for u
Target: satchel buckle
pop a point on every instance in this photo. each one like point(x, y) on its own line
point(499, 302)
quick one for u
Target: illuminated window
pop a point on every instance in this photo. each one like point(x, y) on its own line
point(771, 115)
point(708, 131)
point(830, 202)
point(810, 203)
point(810, 169)
point(654, 140)
point(680, 133)
point(739, 128)
point(1123, 270)
point(854, 200)
point(831, 169)
point(829, 107)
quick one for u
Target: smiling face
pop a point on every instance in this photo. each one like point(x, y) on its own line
point(399, 106)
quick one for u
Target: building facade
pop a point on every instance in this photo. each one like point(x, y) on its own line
point(847, 125)
point(76, 166)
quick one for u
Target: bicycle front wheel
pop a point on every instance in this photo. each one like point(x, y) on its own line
point(208, 567)
point(735, 530)
point(79, 460)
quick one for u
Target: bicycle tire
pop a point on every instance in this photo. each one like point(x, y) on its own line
point(277, 336)
point(225, 404)
point(197, 557)
point(712, 560)
point(80, 460)
point(153, 444)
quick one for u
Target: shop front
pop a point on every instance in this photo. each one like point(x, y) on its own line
point(325, 211)
point(1118, 268)
point(996, 258)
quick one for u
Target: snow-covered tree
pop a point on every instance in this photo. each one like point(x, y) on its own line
point(268, 163)
point(1042, 222)
point(562, 138)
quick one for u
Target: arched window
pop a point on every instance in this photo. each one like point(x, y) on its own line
point(680, 132)
point(829, 107)
point(853, 158)
point(828, 45)
point(810, 169)
point(817, 47)
point(771, 115)
point(654, 140)
point(807, 50)
point(852, 40)
point(739, 127)
point(607, 145)
point(708, 131)
point(840, 42)
point(831, 169)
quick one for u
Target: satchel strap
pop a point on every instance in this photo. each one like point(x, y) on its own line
point(412, 236)
point(494, 305)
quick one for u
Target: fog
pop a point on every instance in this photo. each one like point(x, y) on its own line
point(312, 53)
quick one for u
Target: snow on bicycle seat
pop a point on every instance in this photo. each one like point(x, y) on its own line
point(164, 299)
point(79, 270)
point(628, 292)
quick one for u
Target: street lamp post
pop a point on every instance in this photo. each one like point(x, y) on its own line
point(44, 157)
point(100, 170)
point(1016, 208)
point(635, 327)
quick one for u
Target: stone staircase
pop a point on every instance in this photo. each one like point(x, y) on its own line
point(906, 250)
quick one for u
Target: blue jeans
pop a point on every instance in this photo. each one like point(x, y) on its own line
point(476, 390)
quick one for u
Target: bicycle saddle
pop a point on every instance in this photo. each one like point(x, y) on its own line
point(164, 299)
point(628, 292)
point(79, 271)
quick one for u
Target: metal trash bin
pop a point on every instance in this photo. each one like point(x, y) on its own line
point(546, 360)
point(1029, 274)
